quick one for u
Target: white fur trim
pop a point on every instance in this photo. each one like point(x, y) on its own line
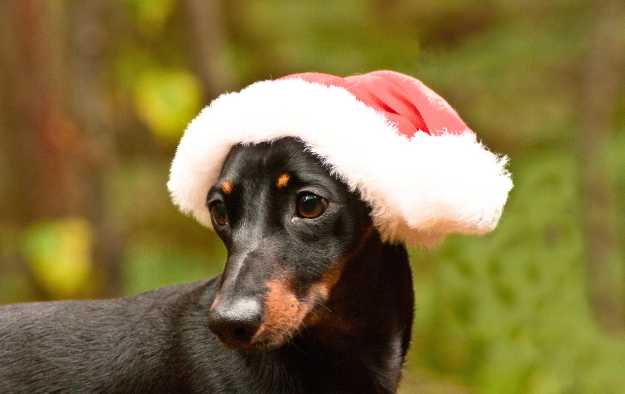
point(421, 189)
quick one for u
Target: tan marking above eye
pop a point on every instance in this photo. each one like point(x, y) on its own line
point(226, 187)
point(282, 181)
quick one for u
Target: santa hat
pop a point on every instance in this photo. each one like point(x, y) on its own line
point(385, 134)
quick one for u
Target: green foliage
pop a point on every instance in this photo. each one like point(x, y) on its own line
point(340, 37)
point(495, 86)
point(150, 15)
point(59, 254)
point(152, 264)
point(166, 100)
point(509, 313)
point(14, 288)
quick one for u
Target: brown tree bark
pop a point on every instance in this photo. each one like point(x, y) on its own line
point(206, 38)
point(603, 79)
point(59, 128)
point(47, 141)
point(89, 49)
point(42, 140)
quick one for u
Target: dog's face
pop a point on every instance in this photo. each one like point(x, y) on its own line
point(289, 228)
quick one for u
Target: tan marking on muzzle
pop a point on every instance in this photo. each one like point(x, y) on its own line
point(282, 181)
point(283, 312)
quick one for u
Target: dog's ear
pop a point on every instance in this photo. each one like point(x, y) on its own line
point(289, 226)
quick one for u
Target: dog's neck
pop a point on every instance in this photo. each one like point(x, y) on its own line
point(357, 345)
point(366, 323)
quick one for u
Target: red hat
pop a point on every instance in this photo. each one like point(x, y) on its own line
point(385, 134)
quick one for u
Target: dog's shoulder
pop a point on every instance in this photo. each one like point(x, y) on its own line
point(123, 340)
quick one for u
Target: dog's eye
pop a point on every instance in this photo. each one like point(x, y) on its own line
point(310, 205)
point(219, 213)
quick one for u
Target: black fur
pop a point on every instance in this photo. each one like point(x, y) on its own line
point(353, 341)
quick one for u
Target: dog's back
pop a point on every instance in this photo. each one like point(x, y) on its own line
point(120, 345)
point(159, 342)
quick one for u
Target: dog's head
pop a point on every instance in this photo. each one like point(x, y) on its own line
point(289, 227)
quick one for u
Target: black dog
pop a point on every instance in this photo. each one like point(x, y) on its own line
point(310, 301)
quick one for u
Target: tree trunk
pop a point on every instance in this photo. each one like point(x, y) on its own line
point(206, 38)
point(90, 22)
point(43, 142)
point(602, 83)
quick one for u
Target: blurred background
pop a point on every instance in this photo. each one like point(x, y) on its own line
point(95, 95)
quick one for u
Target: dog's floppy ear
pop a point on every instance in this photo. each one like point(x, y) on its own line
point(290, 228)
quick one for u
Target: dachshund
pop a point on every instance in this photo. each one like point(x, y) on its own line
point(311, 300)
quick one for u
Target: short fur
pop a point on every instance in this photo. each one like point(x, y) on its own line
point(327, 305)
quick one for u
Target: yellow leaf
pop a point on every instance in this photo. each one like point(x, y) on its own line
point(59, 254)
point(166, 101)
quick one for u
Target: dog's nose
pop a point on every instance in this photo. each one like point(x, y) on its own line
point(236, 323)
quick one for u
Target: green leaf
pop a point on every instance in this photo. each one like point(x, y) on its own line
point(59, 255)
point(150, 15)
point(166, 100)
